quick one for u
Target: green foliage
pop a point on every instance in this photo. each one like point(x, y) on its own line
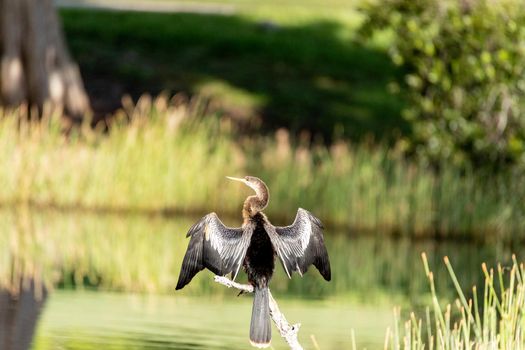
point(464, 76)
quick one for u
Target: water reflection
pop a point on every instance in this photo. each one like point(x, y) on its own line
point(143, 254)
point(19, 311)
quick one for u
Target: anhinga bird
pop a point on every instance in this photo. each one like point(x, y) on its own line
point(223, 250)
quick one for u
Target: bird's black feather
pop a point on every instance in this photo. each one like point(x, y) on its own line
point(214, 246)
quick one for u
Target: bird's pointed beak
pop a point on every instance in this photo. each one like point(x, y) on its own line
point(236, 179)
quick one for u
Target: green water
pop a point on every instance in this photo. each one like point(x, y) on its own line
point(112, 278)
point(95, 320)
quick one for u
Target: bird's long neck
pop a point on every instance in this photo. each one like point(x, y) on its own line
point(254, 204)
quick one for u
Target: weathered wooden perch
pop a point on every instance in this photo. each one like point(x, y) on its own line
point(288, 332)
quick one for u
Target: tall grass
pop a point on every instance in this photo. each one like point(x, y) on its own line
point(162, 156)
point(494, 321)
point(148, 160)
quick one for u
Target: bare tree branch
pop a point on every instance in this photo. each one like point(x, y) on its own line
point(288, 332)
point(248, 288)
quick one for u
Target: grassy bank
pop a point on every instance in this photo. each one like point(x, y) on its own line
point(169, 159)
point(273, 65)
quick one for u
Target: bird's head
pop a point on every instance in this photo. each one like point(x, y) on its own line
point(253, 182)
point(260, 200)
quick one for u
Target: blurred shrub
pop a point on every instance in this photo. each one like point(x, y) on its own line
point(464, 75)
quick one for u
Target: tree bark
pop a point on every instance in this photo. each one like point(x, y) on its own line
point(35, 65)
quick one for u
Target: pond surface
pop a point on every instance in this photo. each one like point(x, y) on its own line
point(110, 285)
point(95, 320)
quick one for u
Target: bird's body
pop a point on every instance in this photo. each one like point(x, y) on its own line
point(259, 261)
point(254, 246)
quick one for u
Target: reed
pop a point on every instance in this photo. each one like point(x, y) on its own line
point(162, 156)
point(493, 320)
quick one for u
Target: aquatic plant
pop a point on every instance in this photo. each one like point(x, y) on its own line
point(495, 321)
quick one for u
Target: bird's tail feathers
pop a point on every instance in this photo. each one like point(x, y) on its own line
point(260, 330)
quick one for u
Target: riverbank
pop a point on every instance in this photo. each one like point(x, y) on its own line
point(163, 157)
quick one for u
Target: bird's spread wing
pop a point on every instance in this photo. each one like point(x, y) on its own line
point(301, 244)
point(212, 245)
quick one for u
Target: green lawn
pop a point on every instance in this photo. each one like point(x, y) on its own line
point(283, 64)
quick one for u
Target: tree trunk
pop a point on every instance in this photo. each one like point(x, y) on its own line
point(35, 65)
